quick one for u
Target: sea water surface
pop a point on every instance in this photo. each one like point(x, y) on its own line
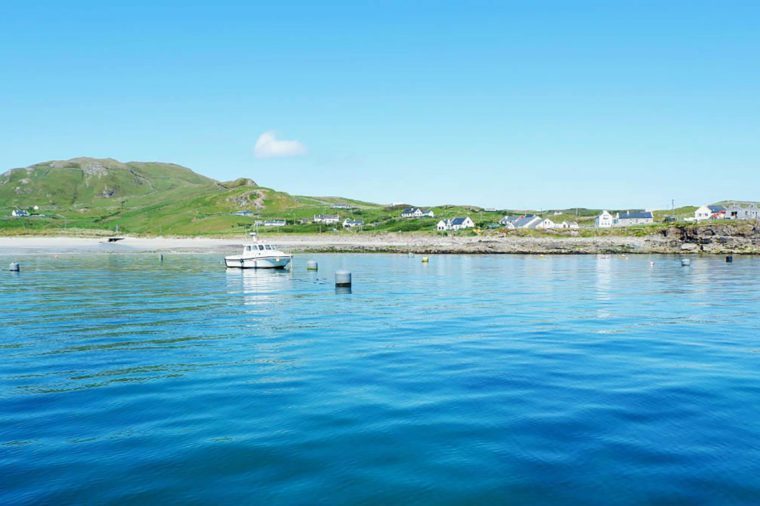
point(472, 379)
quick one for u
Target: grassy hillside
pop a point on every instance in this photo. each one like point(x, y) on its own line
point(104, 195)
point(146, 198)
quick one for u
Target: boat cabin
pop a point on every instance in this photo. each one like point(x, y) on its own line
point(259, 247)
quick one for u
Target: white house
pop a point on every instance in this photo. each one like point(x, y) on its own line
point(571, 225)
point(604, 220)
point(327, 219)
point(710, 213)
point(19, 213)
point(457, 223)
point(462, 223)
point(546, 224)
point(628, 218)
point(349, 223)
point(416, 212)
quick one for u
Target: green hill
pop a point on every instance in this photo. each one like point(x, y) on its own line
point(146, 198)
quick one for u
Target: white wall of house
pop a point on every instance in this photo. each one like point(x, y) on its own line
point(604, 220)
point(467, 223)
point(546, 224)
point(703, 213)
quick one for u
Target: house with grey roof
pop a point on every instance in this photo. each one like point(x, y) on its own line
point(527, 221)
point(629, 218)
point(458, 223)
point(416, 212)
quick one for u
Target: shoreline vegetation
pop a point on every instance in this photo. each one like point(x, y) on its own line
point(713, 238)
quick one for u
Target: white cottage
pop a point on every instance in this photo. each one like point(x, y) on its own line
point(710, 213)
point(457, 223)
point(604, 220)
point(546, 224)
point(416, 212)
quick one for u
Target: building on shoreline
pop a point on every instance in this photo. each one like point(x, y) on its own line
point(629, 218)
point(546, 224)
point(742, 211)
point(604, 220)
point(458, 223)
point(713, 212)
point(527, 221)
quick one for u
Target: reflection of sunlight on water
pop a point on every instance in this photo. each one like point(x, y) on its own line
point(258, 286)
point(603, 284)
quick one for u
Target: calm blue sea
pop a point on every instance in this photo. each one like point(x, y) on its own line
point(471, 380)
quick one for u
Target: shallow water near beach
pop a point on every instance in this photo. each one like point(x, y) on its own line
point(471, 379)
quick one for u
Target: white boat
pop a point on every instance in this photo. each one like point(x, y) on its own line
point(259, 255)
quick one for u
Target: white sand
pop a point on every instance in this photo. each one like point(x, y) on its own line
point(329, 242)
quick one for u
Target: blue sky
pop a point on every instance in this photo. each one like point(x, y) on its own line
point(509, 104)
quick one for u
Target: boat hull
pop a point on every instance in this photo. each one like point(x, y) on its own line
point(273, 262)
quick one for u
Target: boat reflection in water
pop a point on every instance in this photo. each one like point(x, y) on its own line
point(258, 286)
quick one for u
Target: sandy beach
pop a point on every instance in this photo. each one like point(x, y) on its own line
point(399, 243)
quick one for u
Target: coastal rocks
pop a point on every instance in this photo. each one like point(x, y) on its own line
point(715, 238)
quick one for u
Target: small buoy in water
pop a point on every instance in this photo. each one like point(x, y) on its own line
point(14, 267)
point(342, 278)
point(161, 258)
point(312, 265)
point(729, 259)
point(425, 260)
point(685, 262)
point(651, 264)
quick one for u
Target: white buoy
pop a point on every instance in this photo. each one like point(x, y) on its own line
point(312, 265)
point(342, 278)
point(425, 260)
point(14, 267)
point(685, 262)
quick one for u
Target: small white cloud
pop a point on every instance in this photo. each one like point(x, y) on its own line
point(269, 146)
